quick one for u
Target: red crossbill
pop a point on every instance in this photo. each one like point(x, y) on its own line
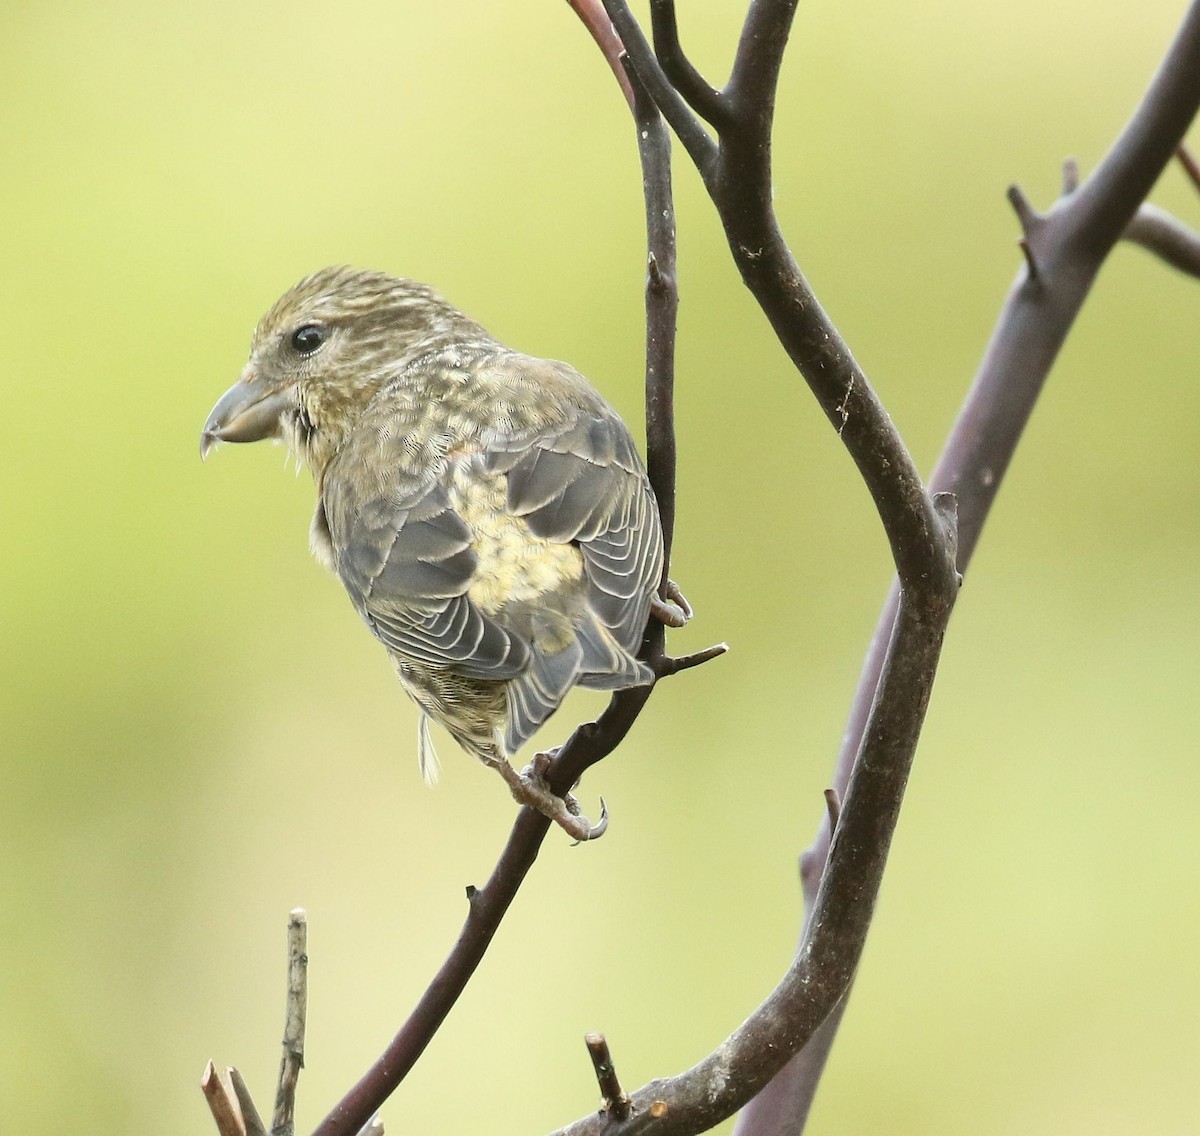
point(487, 511)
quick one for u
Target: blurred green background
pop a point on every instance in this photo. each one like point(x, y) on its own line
point(196, 733)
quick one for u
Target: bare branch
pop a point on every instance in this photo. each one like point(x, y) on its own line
point(616, 1103)
point(688, 128)
point(738, 179)
point(679, 69)
point(250, 1117)
point(284, 1121)
point(1169, 239)
point(221, 1103)
point(757, 64)
point(1029, 332)
point(899, 671)
point(596, 20)
point(725, 1080)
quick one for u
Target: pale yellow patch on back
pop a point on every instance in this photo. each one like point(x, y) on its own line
point(514, 564)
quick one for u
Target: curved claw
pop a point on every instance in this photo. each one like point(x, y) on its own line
point(529, 788)
point(597, 830)
point(671, 609)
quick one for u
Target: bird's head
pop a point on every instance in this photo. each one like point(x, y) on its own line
point(323, 351)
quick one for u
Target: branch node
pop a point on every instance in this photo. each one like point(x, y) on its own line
point(670, 666)
point(1070, 176)
point(615, 1102)
point(833, 805)
point(657, 283)
point(1029, 217)
point(945, 507)
point(1031, 220)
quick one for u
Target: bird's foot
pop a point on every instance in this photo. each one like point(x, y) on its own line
point(529, 787)
point(673, 609)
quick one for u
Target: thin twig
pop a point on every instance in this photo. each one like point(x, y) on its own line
point(250, 1116)
point(616, 1103)
point(221, 1103)
point(688, 128)
point(596, 20)
point(685, 78)
point(284, 1121)
point(833, 806)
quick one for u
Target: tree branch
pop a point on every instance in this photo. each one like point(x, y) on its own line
point(1062, 259)
point(921, 531)
point(679, 69)
point(738, 180)
point(1071, 240)
point(594, 740)
point(283, 1122)
point(688, 128)
point(1168, 238)
point(600, 28)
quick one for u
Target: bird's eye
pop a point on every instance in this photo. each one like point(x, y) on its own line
point(308, 338)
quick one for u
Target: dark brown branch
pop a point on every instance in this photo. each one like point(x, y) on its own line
point(1167, 237)
point(594, 740)
point(756, 65)
point(739, 182)
point(900, 669)
point(616, 1103)
point(1029, 332)
point(679, 69)
point(688, 128)
point(743, 1063)
point(921, 531)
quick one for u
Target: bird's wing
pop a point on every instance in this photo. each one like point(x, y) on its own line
point(405, 557)
point(529, 558)
point(582, 483)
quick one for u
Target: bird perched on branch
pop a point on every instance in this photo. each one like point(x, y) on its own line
point(487, 511)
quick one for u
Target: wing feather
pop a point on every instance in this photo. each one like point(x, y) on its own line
point(407, 553)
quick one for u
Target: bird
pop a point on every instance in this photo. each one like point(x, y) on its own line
point(486, 510)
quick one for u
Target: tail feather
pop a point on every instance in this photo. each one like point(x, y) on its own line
point(593, 658)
